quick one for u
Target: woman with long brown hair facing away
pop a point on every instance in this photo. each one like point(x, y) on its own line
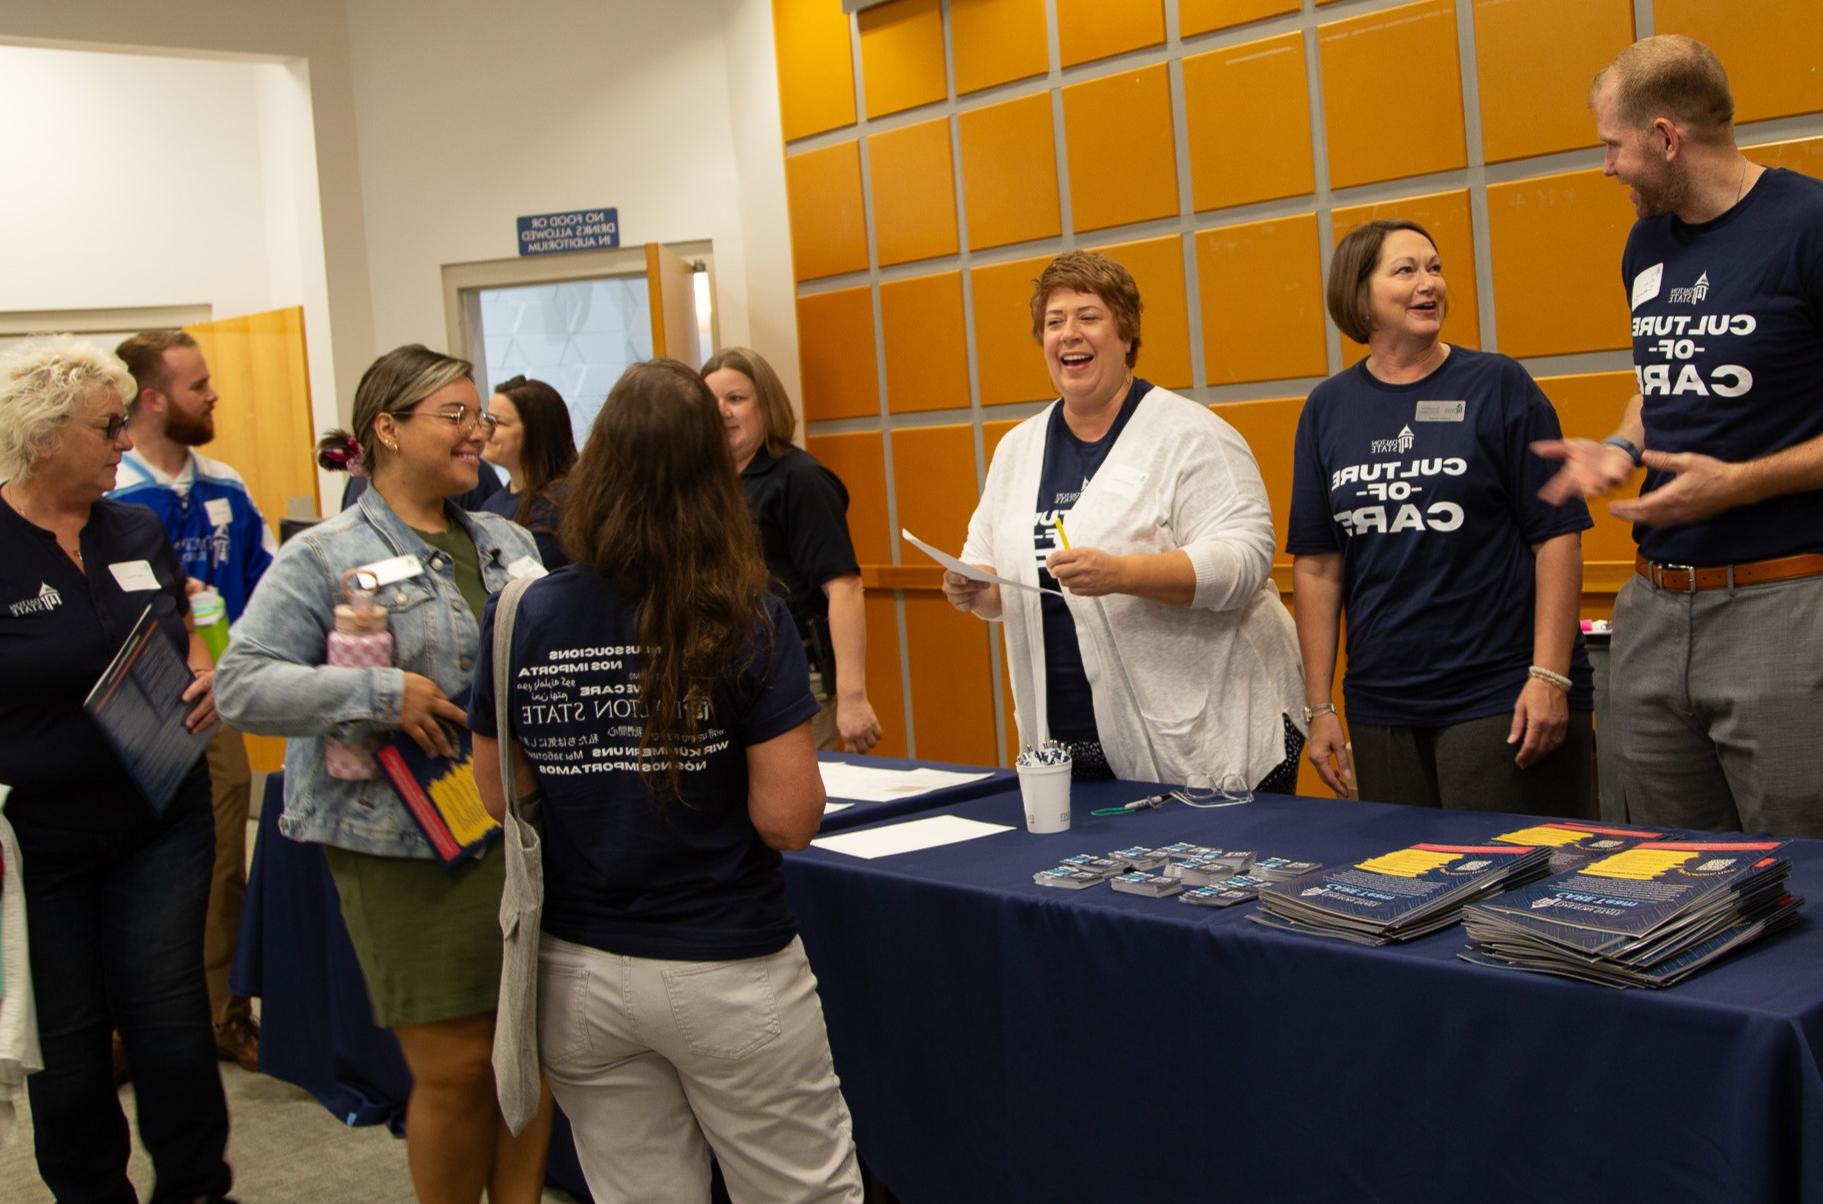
point(660, 702)
point(427, 938)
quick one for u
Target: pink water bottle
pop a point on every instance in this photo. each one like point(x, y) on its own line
point(360, 640)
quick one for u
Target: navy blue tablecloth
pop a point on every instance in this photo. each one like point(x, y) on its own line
point(861, 813)
point(1003, 1041)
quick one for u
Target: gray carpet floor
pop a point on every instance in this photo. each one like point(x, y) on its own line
point(285, 1148)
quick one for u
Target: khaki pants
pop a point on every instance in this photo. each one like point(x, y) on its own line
point(231, 792)
point(823, 730)
point(649, 1058)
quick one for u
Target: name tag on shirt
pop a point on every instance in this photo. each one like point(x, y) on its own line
point(526, 566)
point(398, 568)
point(134, 575)
point(219, 510)
point(1645, 285)
point(1440, 411)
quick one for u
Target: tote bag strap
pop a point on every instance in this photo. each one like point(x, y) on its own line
point(506, 610)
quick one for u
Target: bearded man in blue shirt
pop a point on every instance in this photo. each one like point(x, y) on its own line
point(223, 542)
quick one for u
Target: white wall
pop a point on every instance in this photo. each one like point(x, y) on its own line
point(472, 113)
point(437, 122)
point(100, 212)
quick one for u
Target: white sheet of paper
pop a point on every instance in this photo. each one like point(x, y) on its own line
point(928, 833)
point(968, 570)
point(830, 808)
point(874, 784)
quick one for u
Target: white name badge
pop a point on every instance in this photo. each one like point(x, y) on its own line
point(1440, 411)
point(385, 572)
point(526, 566)
point(219, 510)
point(1645, 285)
point(134, 575)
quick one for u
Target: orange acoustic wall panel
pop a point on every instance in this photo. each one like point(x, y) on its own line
point(1248, 112)
point(1201, 16)
point(1392, 94)
point(1803, 155)
point(1556, 247)
point(816, 67)
point(991, 435)
point(1095, 29)
point(1262, 297)
point(828, 221)
point(836, 354)
point(1009, 361)
point(1009, 172)
point(926, 351)
point(914, 192)
point(1123, 153)
point(1270, 428)
point(901, 56)
point(952, 684)
point(996, 42)
point(1446, 216)
point(1588, 407)
point(1773, 50)
point(885, 669)
point(934, 474)
point(1157, 265)
point(859, 459)
point(1534, 79)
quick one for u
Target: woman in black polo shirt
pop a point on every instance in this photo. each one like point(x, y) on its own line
point(115, 892)
point(801, 510)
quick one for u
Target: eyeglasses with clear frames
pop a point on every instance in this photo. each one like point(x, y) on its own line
point(460, 417)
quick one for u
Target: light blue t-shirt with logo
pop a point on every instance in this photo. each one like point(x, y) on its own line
point(1430, 493)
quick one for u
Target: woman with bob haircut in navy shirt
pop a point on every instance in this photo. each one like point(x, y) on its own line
point(660, 702)
point(1415, 510)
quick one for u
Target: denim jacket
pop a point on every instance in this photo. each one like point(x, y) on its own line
point(273, 680)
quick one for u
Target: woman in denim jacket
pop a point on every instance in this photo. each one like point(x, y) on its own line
point(428, 940)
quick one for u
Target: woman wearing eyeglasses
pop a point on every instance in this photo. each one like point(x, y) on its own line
point(115, 892)
point(428, 939)
point(532, 440)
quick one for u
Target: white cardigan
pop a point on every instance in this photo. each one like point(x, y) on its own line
point(19, 1055)
point(1212, 679)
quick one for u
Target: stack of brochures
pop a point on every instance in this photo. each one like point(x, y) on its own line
point(1644, 917)
point(1398, 895)
point(1575, 844)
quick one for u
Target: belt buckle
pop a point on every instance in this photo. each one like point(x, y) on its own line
point(1678, 568)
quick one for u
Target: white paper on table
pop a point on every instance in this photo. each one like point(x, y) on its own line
point(968, 570)
point(927, 833)
point(830, 808)
point(877, 784)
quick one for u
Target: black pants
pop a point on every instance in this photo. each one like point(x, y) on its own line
point(115, 919)
point(1469, 766)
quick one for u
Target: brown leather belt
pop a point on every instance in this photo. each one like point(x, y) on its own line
point(1684, 579)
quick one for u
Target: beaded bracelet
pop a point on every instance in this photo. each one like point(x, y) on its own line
point(1556, 679)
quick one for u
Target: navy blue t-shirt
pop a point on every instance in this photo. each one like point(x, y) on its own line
point(1429, 492)
point(1728, 351)
point(540, 520)
point(690, 879)
point(1069, 463)
point(60, 626)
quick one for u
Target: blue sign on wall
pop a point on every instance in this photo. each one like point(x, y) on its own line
point(580, 230)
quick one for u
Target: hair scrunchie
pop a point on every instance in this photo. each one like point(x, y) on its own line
point(347, 457)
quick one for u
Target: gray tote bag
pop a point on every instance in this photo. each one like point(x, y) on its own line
point(516, 1075)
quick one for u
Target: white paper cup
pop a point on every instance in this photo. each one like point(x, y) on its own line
point(1046, 791)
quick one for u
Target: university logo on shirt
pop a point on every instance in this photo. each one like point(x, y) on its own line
point(1398, 446)
point(46, 599)
point(1691, 295)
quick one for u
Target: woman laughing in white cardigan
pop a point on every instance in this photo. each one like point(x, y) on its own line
point(1168, 656)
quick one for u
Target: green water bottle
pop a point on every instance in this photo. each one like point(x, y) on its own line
point(210, 614)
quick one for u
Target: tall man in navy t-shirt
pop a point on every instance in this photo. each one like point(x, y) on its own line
point(222, 541)
point(1717, 670)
